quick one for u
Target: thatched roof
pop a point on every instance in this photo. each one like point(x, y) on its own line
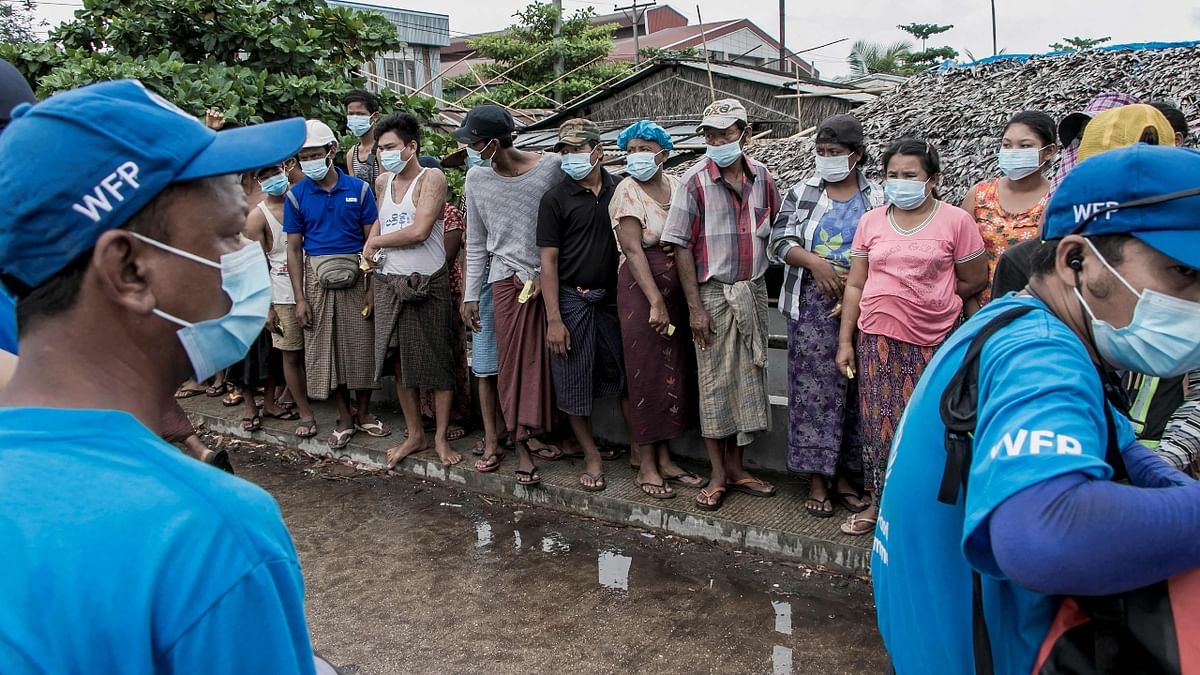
point(963, 110)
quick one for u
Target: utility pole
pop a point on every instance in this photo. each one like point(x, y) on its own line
point(558, 63)
point(783, 64)
point(636, 19)
point(995, 47)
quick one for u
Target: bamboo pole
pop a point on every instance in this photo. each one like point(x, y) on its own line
point(707, 63)
point(506, 72)
point(445, 70)
point(393, 84)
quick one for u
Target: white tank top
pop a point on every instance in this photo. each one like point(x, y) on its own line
point(281, 283)
point(425, 257)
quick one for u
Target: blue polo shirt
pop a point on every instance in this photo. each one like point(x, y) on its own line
point(119, 554)
point(331, 221)
point(1040, 416)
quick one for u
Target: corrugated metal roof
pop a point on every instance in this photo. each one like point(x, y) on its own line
point(414, 28)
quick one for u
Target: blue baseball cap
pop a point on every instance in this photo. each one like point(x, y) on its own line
point(85, 161)
point(1148, 191)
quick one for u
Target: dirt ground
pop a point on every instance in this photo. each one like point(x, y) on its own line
point(404, 576)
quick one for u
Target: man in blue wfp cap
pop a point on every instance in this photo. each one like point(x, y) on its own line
point(119, 554)
point(1114, 287)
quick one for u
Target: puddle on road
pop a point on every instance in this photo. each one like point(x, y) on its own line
point(554, 542)
point(614, 570)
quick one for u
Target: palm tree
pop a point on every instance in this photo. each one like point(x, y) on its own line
point(867, 58)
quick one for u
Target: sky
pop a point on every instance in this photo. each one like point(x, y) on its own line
point(1023, 26)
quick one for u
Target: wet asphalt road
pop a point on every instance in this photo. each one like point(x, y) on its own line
point(404, 576)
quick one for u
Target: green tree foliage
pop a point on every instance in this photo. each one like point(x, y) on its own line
point(253, 61)
point(17, 21)
point(924, 31)
point(1078, 44)
point(868, 58)
point(649, 53)
point(523, 57)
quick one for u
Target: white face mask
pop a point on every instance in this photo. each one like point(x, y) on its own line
point(1162, 340)
point(834, 169)
point(214, 344)
point(1017, 163)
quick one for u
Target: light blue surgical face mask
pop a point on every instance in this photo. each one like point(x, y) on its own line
point(316, 169)
point(475, 157)
point(358, 124)
point(724, 155)
point(578, 165)
point(1017, 163)
point(642, 165)
point(1158, 341)
point(215, 344)
point(393, 160)
point(905, 194)
point(275, 185)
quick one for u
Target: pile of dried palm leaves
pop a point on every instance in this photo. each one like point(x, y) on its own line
point(962, 111)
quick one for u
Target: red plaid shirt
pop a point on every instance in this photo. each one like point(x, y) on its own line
point(725, 226)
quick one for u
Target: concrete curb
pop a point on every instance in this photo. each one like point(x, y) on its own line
point(601, 505)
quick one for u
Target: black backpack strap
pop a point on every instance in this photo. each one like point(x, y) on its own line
point(960, 402)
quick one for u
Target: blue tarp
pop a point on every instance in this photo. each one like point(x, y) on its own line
point(1110, 48)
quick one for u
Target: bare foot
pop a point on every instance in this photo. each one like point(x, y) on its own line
point(412, 445)
point(446, 453)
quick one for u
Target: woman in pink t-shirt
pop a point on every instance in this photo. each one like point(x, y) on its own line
point(912, 264)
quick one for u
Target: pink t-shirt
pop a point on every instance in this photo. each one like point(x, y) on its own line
point(909, 294)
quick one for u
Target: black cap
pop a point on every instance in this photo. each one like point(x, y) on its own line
point(841, 129)
point(429, 162)
point(14, 90)
point(484, 123)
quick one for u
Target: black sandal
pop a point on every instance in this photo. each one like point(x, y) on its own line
point(254, 423)
point(286, 415)
point(843, 502)
point(219, 459)
point(678, 480)
point(531, 478)
point(818, 511)
point(657, 495)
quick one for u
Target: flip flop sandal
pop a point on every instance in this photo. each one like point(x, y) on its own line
point(479, 449)
point(598, 483)
point(852, 527)
point(531, 478)
point(252, 424)
point(610, 452)
point(455, 432)
point(656, 495)
point(744, 484)
point(818, 511)
point(340, 438)
point(677, 479)
point(213, 392)
point(310, 425)
point(717, 493)
point(843, 502)
point(188, 393)
point(220, 459)
point(376, 428)
point(232, 398)
point(286, 415)
point(549, 453)
point(490, 464)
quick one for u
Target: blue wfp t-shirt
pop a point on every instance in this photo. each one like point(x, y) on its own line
point(1039, 417)
point(118, 554)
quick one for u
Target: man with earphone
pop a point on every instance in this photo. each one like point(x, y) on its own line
point(1030, 509)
